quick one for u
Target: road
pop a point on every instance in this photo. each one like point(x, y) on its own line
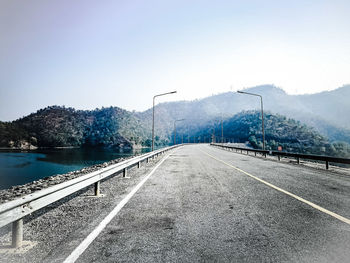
point(204, 204)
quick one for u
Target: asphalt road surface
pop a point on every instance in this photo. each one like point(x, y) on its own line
point(203, 204)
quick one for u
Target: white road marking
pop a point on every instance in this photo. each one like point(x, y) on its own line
point(91, 237)
point(339, 217)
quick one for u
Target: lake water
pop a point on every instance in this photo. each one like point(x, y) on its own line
point(18, 168)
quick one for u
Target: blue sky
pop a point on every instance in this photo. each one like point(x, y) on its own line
point(89, 54)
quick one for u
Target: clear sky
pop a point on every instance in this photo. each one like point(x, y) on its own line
point(87, 54)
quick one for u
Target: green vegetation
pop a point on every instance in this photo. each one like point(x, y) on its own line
point(114, 127)
point(290, 134)
point(281, 131)
point(57, 126)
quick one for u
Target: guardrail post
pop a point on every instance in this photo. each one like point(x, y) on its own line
point(147, 160)
point(298, 160)
point(17, 233)
point(327, 165)
point(279, 157)
point(255, 153)
point(97, 188)
point(125, 172)
point(138, 164)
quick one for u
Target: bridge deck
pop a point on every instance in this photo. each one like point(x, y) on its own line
point(195, 207)
point(206, 204)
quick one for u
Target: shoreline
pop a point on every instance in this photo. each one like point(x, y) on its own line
point(16, 149)
point(18, 191)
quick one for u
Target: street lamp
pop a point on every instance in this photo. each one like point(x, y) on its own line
point(175, 129)
point(262, 112)
point(153, 114)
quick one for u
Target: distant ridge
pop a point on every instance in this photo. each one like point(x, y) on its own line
point(327, 112)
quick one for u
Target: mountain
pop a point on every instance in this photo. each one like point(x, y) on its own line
point(327, 113)
point(331, 106)
point(57, 126)
point(246, 127)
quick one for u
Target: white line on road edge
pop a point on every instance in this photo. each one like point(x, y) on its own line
point(339, 217)
point(91, 237)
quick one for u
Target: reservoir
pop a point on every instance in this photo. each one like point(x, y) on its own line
point(17, 168)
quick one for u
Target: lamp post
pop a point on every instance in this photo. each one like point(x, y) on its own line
point(262, 112)
point(175, 129)
point(153, 114)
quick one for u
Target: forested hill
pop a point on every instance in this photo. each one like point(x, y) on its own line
point(327, 113)
point(114, 127)
point(60, 127)
point(292, 135)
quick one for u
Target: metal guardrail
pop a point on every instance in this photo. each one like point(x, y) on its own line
point(298, 156)
point(14, 211)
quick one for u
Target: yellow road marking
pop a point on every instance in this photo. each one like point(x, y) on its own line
point(339, 217)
